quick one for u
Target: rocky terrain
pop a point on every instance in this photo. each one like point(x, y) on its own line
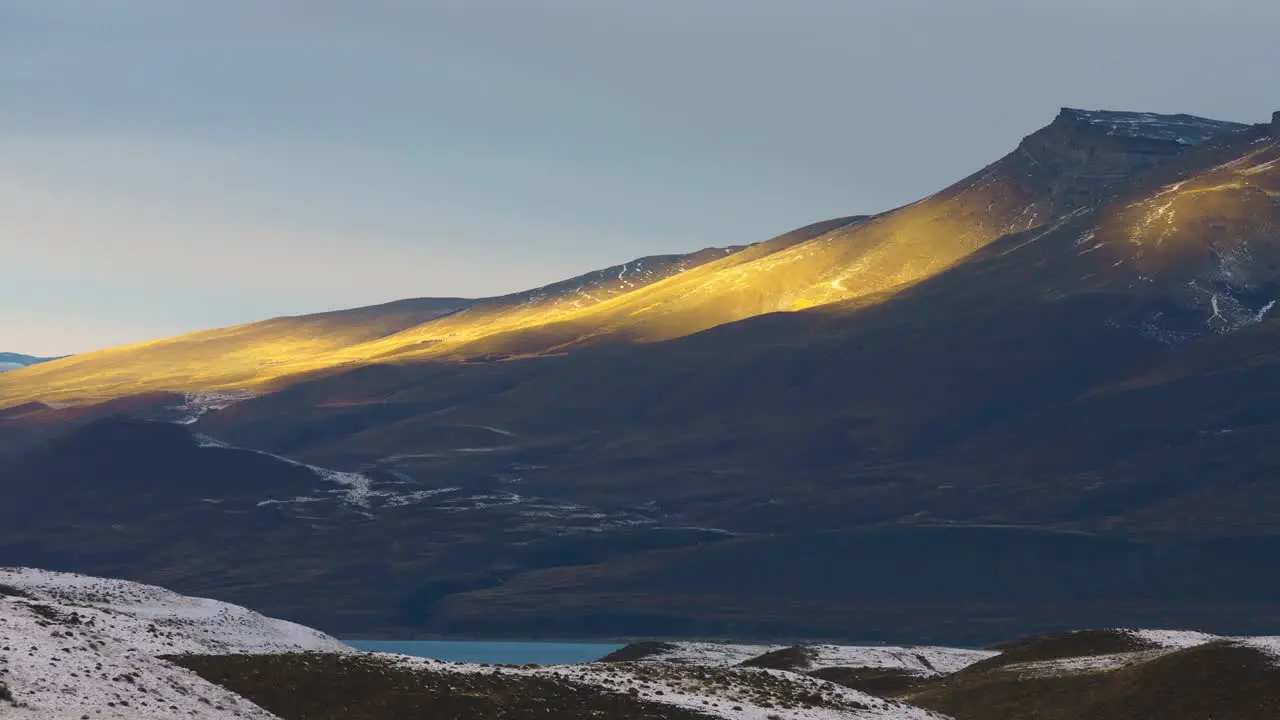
point(1041, 398)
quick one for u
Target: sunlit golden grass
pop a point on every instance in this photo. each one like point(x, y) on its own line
point(1229, 212)
point(866, 258)
point(862, 259)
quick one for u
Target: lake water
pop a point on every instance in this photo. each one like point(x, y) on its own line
point(504, 653)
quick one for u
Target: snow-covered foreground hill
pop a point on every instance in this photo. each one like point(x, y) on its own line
point(73, 646)
point(718, 692)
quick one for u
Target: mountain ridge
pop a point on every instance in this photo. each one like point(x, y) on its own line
point(1051, 172)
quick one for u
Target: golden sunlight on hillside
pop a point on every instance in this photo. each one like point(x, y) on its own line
point(860, 259)
point(832, 262)
point(1224, 219)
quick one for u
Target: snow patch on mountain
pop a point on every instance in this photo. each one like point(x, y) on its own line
point(1183, 129)
point(1175, 639)
point(1157, 644)
point(197, 404)
point(709, 654)
point(921, 661)
point(1087, 663)
point(1269, 646)
point(355, 488)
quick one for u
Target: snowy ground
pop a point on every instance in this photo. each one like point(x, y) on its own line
point(1158, 644)
point(80, 647)
point(1173, 639)
point(197, 404)
point(1185, 129)
point(710, 654)
point(923, 661)
point(737, 693)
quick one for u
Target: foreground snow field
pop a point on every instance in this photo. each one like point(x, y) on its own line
point(80, 647)
point(73, 646)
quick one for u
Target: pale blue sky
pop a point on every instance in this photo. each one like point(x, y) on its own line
point(170, 165)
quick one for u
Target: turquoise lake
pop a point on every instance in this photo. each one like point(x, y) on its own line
point(506, 653)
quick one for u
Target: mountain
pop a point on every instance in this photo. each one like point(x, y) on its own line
point(1041, 398)
point(13, 361)
point(1051, 173)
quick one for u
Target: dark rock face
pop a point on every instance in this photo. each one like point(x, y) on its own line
point(1090, 150)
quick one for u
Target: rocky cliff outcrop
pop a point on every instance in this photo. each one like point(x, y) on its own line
point(1089, 150)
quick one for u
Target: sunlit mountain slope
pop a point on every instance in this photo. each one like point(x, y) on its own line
point(208, 359)
point(251, 356)
point(1052, 172)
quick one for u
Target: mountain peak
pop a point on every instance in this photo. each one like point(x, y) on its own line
point(1185, 130)
point(1090, 150)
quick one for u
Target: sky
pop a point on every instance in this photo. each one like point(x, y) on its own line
point(173, 165)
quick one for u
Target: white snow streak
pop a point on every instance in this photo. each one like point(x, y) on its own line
point(359, 488)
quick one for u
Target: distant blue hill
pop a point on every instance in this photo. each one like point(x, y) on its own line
point(13, 361)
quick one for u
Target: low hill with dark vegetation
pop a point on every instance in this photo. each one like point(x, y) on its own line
point(1216, 680)
point(340, 687)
